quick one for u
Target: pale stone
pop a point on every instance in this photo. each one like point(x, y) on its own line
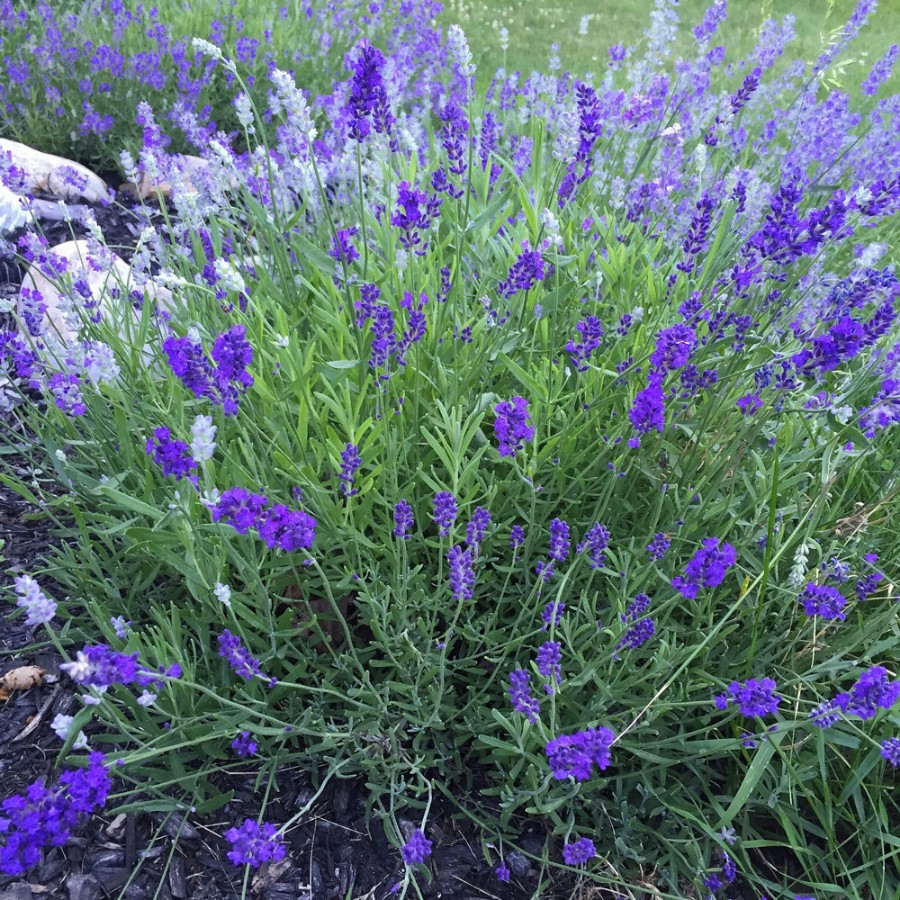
point(13, 213)
point(115, 274)
point(48, 174)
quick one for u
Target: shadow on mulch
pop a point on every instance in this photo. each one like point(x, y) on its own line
point(334, 852)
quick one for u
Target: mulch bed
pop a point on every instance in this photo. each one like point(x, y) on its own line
point(334, 852)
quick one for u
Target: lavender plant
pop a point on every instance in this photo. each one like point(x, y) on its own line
point(532, 440)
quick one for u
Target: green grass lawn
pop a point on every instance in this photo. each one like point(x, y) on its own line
point(534, 26)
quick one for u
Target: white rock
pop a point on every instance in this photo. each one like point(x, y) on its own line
point(50, 174)
point(114, 273)
point(13, 214)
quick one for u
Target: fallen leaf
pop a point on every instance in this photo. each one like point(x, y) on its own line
point(21, 679)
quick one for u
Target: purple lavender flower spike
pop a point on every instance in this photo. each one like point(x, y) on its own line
point(549, 662)
point(520, 695)
point(233, 651)
point(872, 691)
point(350, 463)
point(576, 754)
point(706, 568)
point(579, 852)
point(595, 543)
point(511, 426)
point(478, 526)
point(824, 601)
point(417, 849)
point(890, 750)
point(445, 510)
point(254, 844)
point(403, 520)
point(462, 572)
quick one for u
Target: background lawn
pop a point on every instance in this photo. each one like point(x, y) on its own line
point(534, 27)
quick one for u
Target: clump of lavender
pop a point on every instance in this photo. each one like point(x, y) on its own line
point(658, 547)
point(367, 104)
point(255, 843)
point(287, 529)
point(223, 383)
point(872, 691)
point(478, 526)
point(100, 666)
point(590, 330)
point(511, 426)
point(640, 630)
point(559, 549)
point(342, 247)
point(524, 274)
point(552, 614)
point(45, 817)
point(674, 347)
point(238, 657)
point(648, 411)
point(415, 214)
point(559, 540)
point(203, 439)
point(890, 750)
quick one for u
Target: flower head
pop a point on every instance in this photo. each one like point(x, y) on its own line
point(706, 568)
point(549, 663)
point(579, 852)
point(445, 510)
point(244, 745)
point(520, 695)
point(403, 520)
point(203, 439)
point(173, 457)
point(873, 691)
point(350, 463)
point(39, 608)
point(254, 844)
point(577, 753)
point(824, 601)
point(233, 651)
point(511, 426)
point(417, 849)
point(890, 750)
point(462, 572)
point(595, 543)
point(755, 697)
